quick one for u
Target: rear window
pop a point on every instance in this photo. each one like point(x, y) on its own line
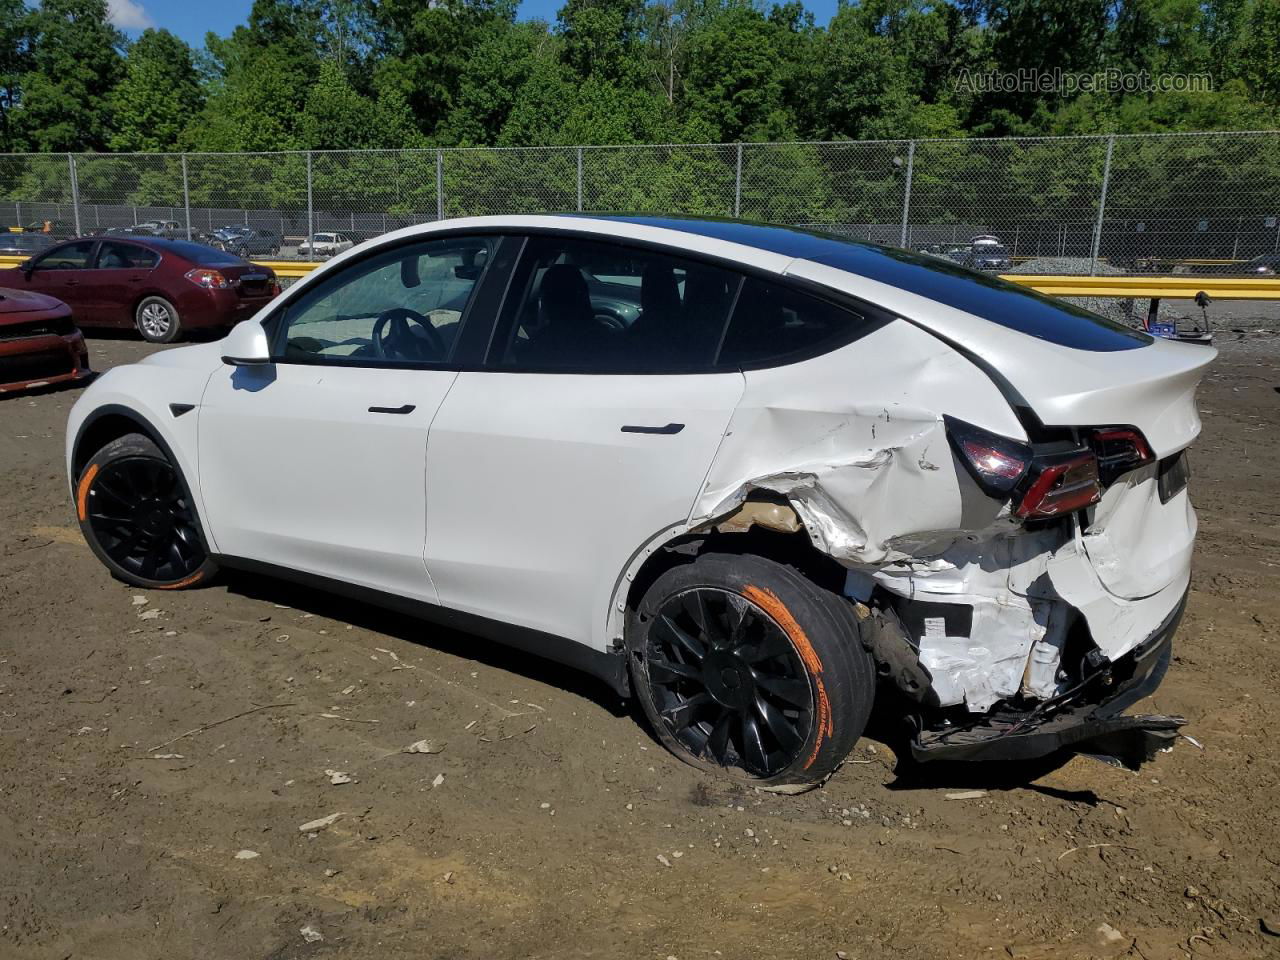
point(1007, 304)
point(205, 256)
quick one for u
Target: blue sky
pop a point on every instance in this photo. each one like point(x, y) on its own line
point(191, 20)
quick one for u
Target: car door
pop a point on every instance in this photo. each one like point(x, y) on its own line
point(582, 437)
point(316, 461)
point(60, 272)
point(115, 283)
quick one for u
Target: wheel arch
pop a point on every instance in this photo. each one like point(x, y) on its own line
point(681, 544)
point(110, 422)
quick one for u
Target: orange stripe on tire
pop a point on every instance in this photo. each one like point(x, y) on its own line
point(82, 492)
point(768, 601)
point(185, 582)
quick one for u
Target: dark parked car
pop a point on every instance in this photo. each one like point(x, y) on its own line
point(39, 343)
point(250, 242)
point(163, 287)
point(24, 244)
point(987, 256)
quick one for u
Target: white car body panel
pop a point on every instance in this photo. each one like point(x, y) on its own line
point(148, 388)
point(298, 472)
point(536, 499)
point(524, 502)
point(1152, 388)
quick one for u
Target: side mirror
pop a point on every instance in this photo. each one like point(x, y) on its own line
point(246, 345)
point(28, 267)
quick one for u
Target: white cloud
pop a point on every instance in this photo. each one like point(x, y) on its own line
point(128, 15)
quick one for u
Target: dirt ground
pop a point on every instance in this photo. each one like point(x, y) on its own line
point(550, 824)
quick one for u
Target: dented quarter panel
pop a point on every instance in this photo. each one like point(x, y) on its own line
point(854, 439)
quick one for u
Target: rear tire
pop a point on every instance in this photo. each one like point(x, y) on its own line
point(135, 512)
point(157, 320)
point(746, 668)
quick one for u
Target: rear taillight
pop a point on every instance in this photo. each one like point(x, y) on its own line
point(1060, 486)
point(275, 288)
point(997, 463)
point(1041, 482)
point(1119, 450)
point(209, 279)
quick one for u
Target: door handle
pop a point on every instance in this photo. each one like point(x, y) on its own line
point(71, 283)
point(668, 430)
point(407, 408)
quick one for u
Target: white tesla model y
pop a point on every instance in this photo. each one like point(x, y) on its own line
point(752, 475)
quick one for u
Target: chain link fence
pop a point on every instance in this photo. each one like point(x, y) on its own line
point(1203, 202)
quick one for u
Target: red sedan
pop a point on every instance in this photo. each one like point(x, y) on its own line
point(163, 287)
point(39, 344)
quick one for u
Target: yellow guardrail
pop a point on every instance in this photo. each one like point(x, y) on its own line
point(1180, 287)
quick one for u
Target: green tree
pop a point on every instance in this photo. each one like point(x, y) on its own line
point(158, 96)
point(15, 60)
point(75, 63)
point(425, 49)
point(1258, 49)
point(734, 80)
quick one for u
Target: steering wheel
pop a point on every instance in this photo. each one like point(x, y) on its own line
point(400, 343)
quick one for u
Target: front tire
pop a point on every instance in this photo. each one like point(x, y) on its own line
point(746, 668)
point(136, 515)
point(157, 320)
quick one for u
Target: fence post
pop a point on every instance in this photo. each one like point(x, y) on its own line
point(737, 184)
point(906, 193)
point(75, 192)
point(186, 196)
point(439, 184)
point(579, 179)
point(17, 215)
point(1102, 207)
point(311, 212)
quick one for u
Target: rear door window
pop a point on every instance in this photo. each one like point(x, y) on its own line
point(589, 306)
point(113, 255)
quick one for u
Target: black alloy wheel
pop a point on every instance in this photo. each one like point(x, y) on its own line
point(727, 682)
point(135, 513)
point(747, 668)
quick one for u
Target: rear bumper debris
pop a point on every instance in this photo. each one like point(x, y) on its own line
point(1085, 720)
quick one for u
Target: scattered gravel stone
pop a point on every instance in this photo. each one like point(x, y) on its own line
point(663, 860)
point(312, 826)
point(247, 855)
point(311, 934)
point(424, 746)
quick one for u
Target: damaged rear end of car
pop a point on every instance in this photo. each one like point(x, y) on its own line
point(1004, 481)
